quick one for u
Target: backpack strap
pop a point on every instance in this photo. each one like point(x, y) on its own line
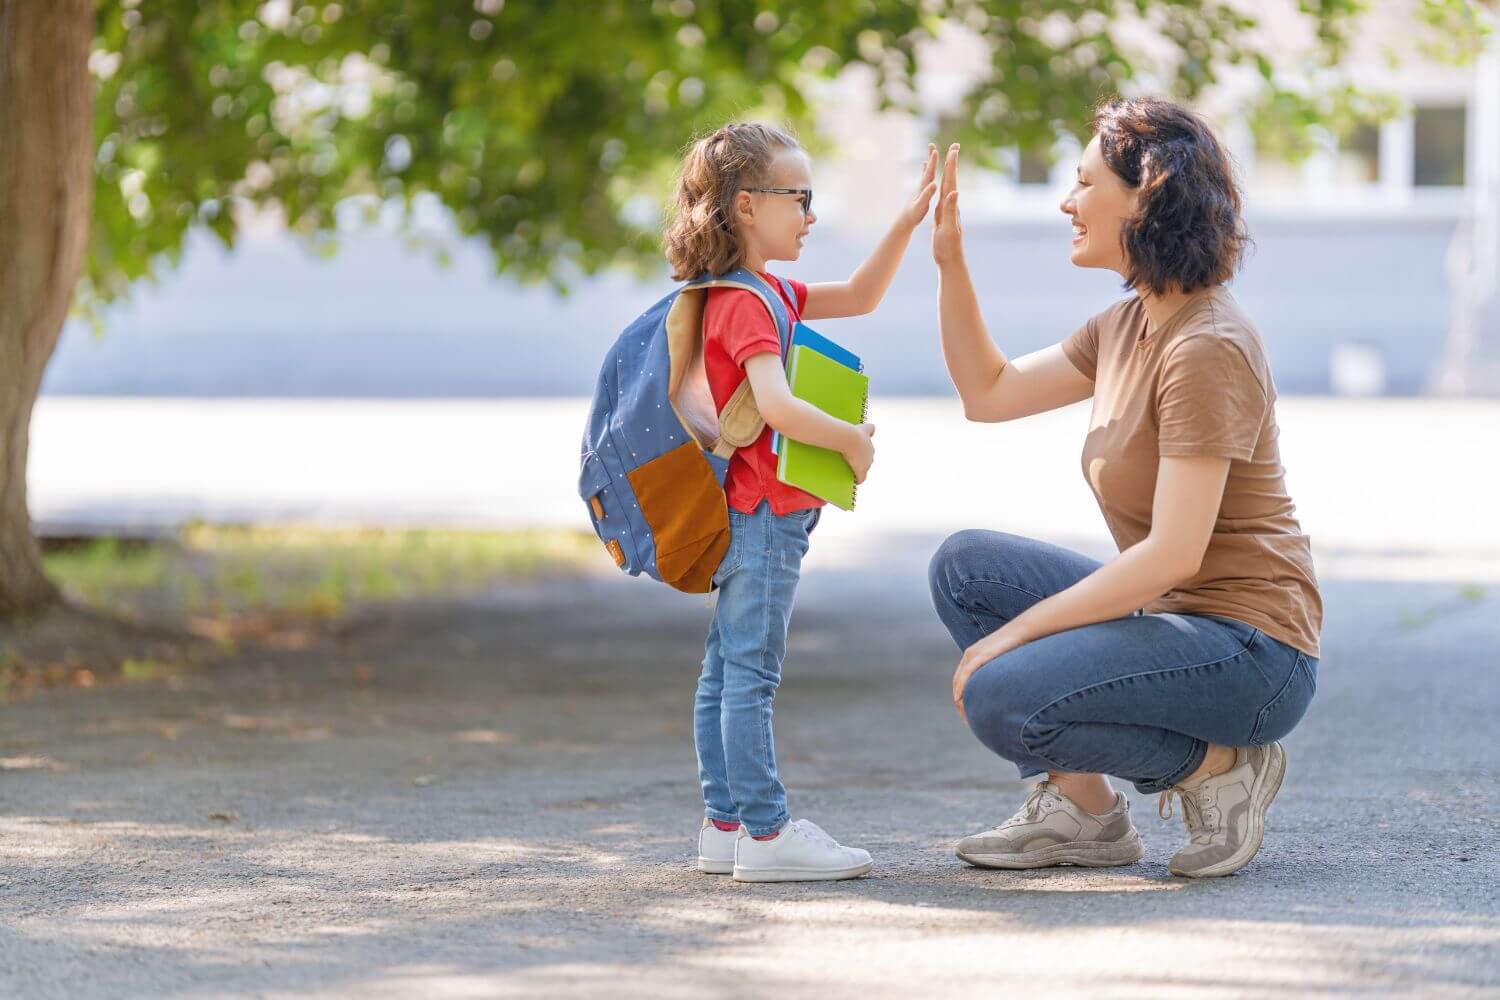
point(747, 280)
point(740, 422)
point(791, 296)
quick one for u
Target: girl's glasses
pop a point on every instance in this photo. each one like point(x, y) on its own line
point(805, 195)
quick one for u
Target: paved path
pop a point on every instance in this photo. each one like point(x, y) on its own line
point(498, 798)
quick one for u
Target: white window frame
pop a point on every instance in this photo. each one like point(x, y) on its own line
point(1392, 194)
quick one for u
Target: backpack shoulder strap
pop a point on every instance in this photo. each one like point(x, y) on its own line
point(791, 294)
point(748, 280)
point(740, 422)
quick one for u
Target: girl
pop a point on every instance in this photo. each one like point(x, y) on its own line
point(744, 197)
point(1180, 663)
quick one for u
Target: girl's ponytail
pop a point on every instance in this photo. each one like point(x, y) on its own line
point(700, 235)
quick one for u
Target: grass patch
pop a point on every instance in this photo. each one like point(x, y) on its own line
point(217, 571)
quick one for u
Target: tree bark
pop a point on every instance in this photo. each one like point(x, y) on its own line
point(46, 192)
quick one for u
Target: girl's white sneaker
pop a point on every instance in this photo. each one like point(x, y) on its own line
point(716, 849)
point(802, 853)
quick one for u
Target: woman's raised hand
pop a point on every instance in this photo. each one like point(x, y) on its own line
point(916, 209)
point(947, 233)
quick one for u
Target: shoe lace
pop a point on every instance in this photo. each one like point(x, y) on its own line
point(1032, 807)
point(1199, 814)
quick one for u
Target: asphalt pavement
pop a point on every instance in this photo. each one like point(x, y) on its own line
point(498, 797)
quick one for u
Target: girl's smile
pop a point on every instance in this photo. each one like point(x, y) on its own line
point(775, 225)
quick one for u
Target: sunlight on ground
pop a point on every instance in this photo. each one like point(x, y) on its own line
point(955, 951)
point(279, 895)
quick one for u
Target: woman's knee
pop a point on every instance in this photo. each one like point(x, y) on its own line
point(945, 578)
point(973, 551)
point(964, 556)
point(942, 576)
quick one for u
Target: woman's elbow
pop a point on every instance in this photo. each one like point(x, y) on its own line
point(1186, 566)
point(982, 411)
point(988, 403)
point(1171, 561)
point(976, 415)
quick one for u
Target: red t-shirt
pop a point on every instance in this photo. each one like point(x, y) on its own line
point(736, 326)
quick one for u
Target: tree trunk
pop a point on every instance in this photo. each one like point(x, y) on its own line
point(46, 190)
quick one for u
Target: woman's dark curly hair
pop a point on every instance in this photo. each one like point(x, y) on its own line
point(1187, 230)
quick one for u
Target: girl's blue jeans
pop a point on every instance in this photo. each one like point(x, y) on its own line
point(757, 583)
point(1140, 698)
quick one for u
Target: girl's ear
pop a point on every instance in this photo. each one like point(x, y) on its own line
point(744, 207)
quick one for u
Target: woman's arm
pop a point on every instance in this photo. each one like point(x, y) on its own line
point(992, 388)
point(1184, 508)
point(867, 285)
point(801, 421)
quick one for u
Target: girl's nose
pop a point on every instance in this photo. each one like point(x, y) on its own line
point(811, 216)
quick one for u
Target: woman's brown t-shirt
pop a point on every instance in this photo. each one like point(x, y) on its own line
point(1199, 385)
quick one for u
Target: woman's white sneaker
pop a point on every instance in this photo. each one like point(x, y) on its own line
point(801, 853)
point(716, 849)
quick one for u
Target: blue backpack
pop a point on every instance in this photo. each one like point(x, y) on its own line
point(655, 450)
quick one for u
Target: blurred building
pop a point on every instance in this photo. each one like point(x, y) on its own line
point(1374, 269)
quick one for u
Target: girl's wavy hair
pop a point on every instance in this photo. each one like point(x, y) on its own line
point(1187, 230)
point(700, 235)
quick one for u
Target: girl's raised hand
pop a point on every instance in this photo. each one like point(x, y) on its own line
point(947, 233)
point(916, 210)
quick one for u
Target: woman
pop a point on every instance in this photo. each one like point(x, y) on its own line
point(1178, 664)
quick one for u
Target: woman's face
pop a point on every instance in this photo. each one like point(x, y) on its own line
point(1099, 205)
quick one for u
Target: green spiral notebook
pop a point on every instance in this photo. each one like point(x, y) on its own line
point(838, 391)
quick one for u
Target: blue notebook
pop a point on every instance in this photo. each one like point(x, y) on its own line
point(806, 336)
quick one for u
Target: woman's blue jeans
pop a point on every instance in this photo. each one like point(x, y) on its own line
point(757, 583)
point(1140, 698)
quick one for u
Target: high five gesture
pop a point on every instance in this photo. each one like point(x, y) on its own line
point(867, 285)
point(947, 231)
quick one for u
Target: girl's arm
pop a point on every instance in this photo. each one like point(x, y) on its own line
point(801, 421)
point(1184, 507)
point(992, 388)
point(866, 286)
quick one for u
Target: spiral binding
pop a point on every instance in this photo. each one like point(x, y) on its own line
point(864, 418)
